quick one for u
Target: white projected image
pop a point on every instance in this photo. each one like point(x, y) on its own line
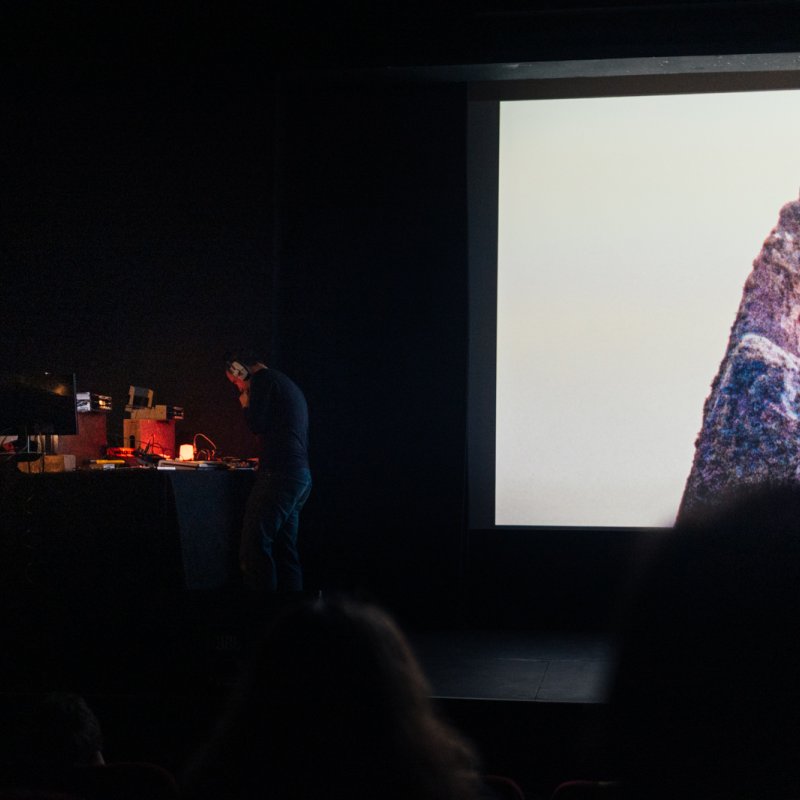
point(627, 227)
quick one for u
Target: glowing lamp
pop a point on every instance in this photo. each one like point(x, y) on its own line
point(186, 452)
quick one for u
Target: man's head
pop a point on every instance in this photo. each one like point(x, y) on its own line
point(240, 365)
point(61, 731)
point(239, 383)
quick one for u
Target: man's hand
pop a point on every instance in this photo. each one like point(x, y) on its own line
point(244, 398)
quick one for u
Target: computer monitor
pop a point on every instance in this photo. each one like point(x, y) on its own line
point(38, 403)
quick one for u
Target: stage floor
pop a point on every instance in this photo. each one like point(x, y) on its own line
point(518, 666)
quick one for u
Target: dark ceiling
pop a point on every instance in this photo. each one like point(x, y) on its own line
point(65, 41)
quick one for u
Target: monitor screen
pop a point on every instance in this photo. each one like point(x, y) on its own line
point(615, 220)
point(34, 403)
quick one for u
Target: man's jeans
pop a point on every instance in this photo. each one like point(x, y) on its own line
point(269, 552)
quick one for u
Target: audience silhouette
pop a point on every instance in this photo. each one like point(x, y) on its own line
point(706, 698)
point(335, 705)
point(58, 748)
point(56, 733)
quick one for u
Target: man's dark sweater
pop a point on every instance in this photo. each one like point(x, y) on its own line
point(278, 415)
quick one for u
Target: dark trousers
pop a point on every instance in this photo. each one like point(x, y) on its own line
point(269, 550)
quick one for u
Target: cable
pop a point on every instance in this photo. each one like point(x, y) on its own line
point(209, 453)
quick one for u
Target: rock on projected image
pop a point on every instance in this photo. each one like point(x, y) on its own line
point(751, 419)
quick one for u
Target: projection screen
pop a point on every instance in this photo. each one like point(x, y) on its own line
point(615, 215)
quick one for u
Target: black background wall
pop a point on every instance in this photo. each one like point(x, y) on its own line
point(179, 180)
point(372, 319)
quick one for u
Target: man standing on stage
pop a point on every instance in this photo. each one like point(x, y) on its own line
point(276, 411)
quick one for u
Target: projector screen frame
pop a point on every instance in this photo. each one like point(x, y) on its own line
point(558, 80)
